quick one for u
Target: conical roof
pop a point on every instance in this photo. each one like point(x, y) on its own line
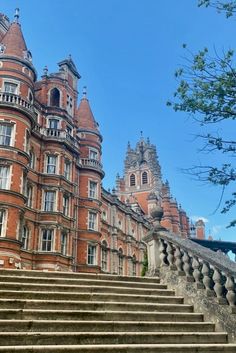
point(14, 41)
point(85, 115)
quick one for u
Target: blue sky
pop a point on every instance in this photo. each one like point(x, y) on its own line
point(127, 52)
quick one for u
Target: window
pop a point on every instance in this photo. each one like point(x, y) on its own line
point(10, 87)
point(25, 238)
point(29, 194)
point(132, 180)
point(66, 203)
point(69, 130)
point(2, 222)
point(49, 201)
point(104, 255)
point(67, 165)
point(27, 141)
point(30, 95)
point(47, 240)
point(92, 221)
point(53, 124)
point(69, 104)
point(55, 97)
point(63, 243)
point(4, 177)
point(134, 265)
point(51, 167)
point(120, 262)
point(92, 189)
point(144, 178)
point(93, 154)
point(5, 134)
point(32, 160)
point(91, 254)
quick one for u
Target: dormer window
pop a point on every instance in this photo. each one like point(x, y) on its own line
point(55, 97)
point(27, 55)
point(2, 48)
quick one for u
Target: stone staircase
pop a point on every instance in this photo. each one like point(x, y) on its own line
point(68, 312)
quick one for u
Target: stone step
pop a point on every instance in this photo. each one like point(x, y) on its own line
point(83, 338)
point(103, 326)
point(89, 315)
point(117, 297)
point(92, 305)
point(81, 282)
point(124, 348)
point(76, 275)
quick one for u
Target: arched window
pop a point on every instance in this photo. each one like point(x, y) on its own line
point(132, 180)
point(144, 178)
point(134, 265)
point(104, 256)
point(55, 97)
point(120, 262)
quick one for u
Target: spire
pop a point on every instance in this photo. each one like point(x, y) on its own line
point(85, 116)
point(14, 41)
point(16, 16)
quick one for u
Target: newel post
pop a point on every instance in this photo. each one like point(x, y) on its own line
point(153, 242)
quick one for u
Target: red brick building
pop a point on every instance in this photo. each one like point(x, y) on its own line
point(54, 214)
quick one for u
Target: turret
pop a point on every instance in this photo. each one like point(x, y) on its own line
point(91, 174)
point(17, 119)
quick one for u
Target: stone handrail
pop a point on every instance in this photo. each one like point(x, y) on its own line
point(59, 134)
point(211, 271)
point(93, 163)
point(14, 99)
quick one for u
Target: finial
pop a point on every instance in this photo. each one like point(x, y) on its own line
point(141, 134)
point(16, 16)
point(69, 57)
point(128, 145)
point(85, 92)
point(148, 141)
point(45, 70)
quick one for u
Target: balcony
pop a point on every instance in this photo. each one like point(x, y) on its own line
point(93, 164)
point(60, 135)
point(16, 101)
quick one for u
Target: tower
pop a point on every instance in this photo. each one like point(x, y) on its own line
point(90, 176)
point(142, 174)
point(17, 119)
point(142, 181)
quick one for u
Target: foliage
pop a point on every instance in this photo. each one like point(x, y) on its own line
point(229, 7)
point(207, 91)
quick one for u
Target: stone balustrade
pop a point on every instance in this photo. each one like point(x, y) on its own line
point(59, 135)
point(13, 99)
point(91, 163)
point(213, 272)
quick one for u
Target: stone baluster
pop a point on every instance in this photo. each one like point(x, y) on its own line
point(163, 254)
point(207, 279)
point(170, 256)
point(187, 267)
point(218, 287)
point(230, 286)
point(197, 273)
point(178, 261)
